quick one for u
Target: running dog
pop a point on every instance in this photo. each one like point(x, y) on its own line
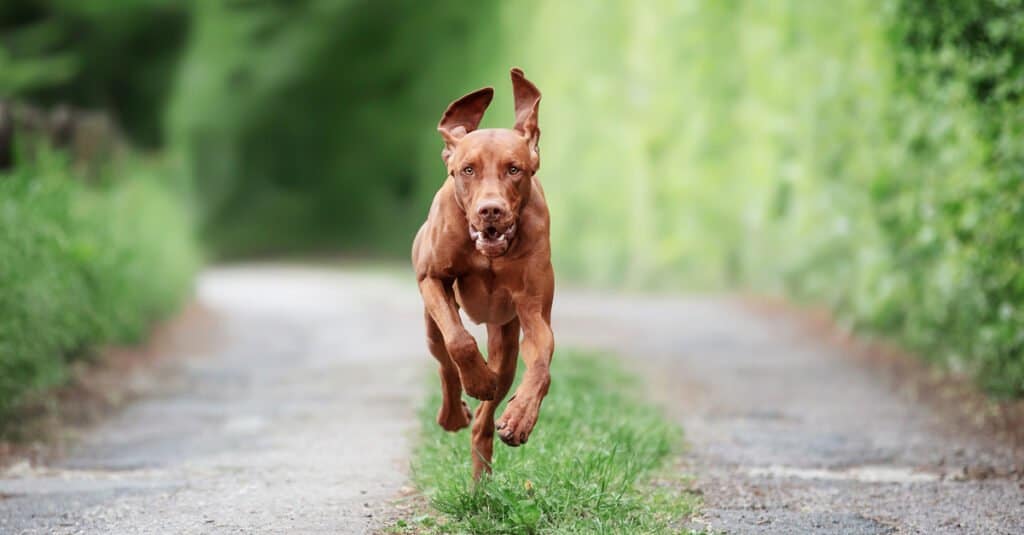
point(485, 248)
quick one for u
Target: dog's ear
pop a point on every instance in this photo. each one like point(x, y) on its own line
point(527, 108)
point(462, 117)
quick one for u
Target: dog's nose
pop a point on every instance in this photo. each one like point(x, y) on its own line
point(490, 211)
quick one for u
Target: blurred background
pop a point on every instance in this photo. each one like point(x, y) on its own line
point(865, 154)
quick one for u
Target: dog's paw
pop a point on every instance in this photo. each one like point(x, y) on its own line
point(454, 419)
point(516, 423)
point(477, 379)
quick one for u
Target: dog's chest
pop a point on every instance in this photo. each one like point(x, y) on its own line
point(484, 298)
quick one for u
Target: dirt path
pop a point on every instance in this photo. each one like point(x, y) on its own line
point(300, 421)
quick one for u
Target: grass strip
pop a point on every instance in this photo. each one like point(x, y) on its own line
point(589, 467)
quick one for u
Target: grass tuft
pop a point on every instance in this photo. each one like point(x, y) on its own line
point(587, 468)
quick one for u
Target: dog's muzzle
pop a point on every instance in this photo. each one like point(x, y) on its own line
point(492, 241)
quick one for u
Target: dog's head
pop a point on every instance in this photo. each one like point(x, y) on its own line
point(492, 168)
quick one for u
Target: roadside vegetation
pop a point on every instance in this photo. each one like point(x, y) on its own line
point(84, 264)
point(97, 230)
point(599, 461)
point(863, 154)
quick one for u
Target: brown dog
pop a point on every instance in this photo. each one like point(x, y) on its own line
point(485, 247)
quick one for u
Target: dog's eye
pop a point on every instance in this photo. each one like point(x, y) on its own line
point(468, 170)
point(513, 170)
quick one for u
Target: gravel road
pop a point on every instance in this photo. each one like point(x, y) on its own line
point(790, 435)
point(301, 417)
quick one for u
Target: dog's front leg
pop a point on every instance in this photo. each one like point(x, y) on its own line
point(523, 408)
point(477, 379)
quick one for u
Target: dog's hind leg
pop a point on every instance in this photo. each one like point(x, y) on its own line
point(454, 414)
point(502, 354)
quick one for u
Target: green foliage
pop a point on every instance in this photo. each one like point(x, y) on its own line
point(863, 154)
point(119, 55)
point(955, 202)
point(584, 469)
point(302, 121)
point(84, 265)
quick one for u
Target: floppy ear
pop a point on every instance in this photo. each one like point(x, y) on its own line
point(527, 107)
point(462, 117)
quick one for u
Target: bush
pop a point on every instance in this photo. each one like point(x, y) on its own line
point(953, 219)
point(83, 265)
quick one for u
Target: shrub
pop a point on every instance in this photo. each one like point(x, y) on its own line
point(82, 265)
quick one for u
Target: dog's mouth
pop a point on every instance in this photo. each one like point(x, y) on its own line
point(492, 241)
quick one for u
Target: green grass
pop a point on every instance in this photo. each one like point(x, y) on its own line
point(591, 465)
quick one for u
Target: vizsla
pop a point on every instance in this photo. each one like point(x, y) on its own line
point(485, 247)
